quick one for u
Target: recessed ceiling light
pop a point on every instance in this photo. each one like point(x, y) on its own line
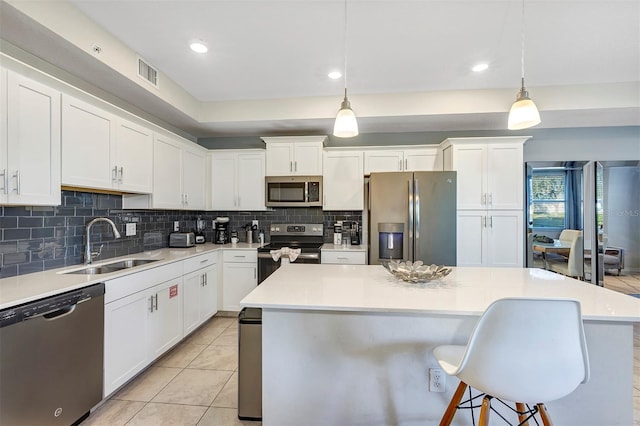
point(335, 75)
point(199, 47)
point(480, 67)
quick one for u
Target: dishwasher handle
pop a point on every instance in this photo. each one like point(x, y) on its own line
point(58, 313)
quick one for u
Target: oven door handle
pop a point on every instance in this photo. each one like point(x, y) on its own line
point(300, 256)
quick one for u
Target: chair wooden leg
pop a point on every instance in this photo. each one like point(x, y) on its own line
point(453, 404)
point(485, 411)
point(544, 415)
point(521, 416)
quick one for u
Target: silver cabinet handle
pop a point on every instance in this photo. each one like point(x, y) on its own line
point(484, 221)
point(239, 203)
point(343, 258)
point(204, 260)
point(120, 174)
point(324, 200)
point(406, 164)
point(255, 273)
point(400, 165)
point(239, 256)
point(290, 166)
point(156, 301)
point(150, 303)
point(484, 199)
point(114, 174)
point(5, 181)
point(17, 176)
point(186, 198)
point(490, 221)
point(295, 166)
point(201, 280)
point(206, 279)
point(491, 198)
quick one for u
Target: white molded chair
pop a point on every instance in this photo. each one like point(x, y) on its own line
point(521, 350)
point(574, 265)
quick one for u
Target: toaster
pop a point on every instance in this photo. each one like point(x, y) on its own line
point(182, 239)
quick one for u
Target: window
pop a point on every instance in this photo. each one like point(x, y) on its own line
point(547, 198)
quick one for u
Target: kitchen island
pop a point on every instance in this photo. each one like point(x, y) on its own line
point(352, 345)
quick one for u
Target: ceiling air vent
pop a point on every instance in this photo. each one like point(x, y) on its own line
point(147, 72)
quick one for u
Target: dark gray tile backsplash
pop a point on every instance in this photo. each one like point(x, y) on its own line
point(35, 239)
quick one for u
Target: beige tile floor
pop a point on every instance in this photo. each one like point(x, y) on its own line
point(196, 382)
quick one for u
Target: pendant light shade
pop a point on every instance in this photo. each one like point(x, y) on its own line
point(346, 125)
point(523, 113)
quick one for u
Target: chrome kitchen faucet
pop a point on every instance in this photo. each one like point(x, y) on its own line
point(88, 254)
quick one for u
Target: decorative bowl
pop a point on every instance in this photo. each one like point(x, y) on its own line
point(416, 272)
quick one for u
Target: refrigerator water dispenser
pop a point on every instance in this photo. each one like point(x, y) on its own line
point(390, 239)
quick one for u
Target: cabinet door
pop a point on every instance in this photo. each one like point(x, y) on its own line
point(383, 161)
point(505, 181)
point(209, 295)
point(421, 160)
point(193, 284)
point(343, 181)
point(470, 163)
point(125, 339)
point(165, 327)
point(193, 170)
point(250, 178)
point(224, 191)
point(279, 159)
point(167, 175)
point(308, 159)
point(32, 144)
point(86, 145)
point(238, 281)
point(133, 147)
point(471, 238)
point(505, 238)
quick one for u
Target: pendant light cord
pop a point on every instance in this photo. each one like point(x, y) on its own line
point(522, 43)
point(345, 48)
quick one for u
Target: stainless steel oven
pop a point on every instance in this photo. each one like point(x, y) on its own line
point(307, 237)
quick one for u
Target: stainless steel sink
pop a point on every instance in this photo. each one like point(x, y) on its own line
point(112, 267)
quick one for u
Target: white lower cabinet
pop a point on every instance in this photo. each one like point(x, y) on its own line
point(142, 321)
point(200, 290)
point(343, 257)
point(239, 277)
point(490, 238)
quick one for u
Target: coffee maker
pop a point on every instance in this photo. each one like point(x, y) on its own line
point(222, 230)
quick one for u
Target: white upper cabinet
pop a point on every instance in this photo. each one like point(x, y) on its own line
point(401, 160)
point(343, 180)
point(101, 150)
point(237, 180)
point(29, 141)
point(178, 176)
point(490, 171)
point(294, 155)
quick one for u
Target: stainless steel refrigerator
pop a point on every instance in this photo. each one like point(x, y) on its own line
point(412, 216)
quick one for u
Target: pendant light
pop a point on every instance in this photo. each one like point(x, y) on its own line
point(523, 113)
point(346, 125)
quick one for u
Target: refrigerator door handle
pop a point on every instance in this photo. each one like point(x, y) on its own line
point(411, 213)
point(416, 197)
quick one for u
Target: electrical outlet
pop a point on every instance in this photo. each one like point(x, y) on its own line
point(254, 222)
point(130, 229)
point(176, 226)
point(436, 380)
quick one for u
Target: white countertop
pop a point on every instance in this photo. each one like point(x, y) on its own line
point(25, 288)
point(465, 291)
point(342, 247)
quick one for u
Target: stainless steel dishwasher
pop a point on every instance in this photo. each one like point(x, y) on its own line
point(51, 353)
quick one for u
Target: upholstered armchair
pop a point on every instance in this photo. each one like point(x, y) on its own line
point(614, 259)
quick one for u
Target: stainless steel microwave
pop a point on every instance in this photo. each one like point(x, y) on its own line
point(293, 191)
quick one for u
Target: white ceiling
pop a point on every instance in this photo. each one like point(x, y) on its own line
point(264, 54)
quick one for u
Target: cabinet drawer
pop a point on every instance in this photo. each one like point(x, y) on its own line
point(248, 256)
point(197, 262)
point(124, 286)
point(344, 257)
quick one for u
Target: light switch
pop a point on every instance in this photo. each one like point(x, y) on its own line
point(130, 229)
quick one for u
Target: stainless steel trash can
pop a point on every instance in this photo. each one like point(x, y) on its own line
point(250, 364)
